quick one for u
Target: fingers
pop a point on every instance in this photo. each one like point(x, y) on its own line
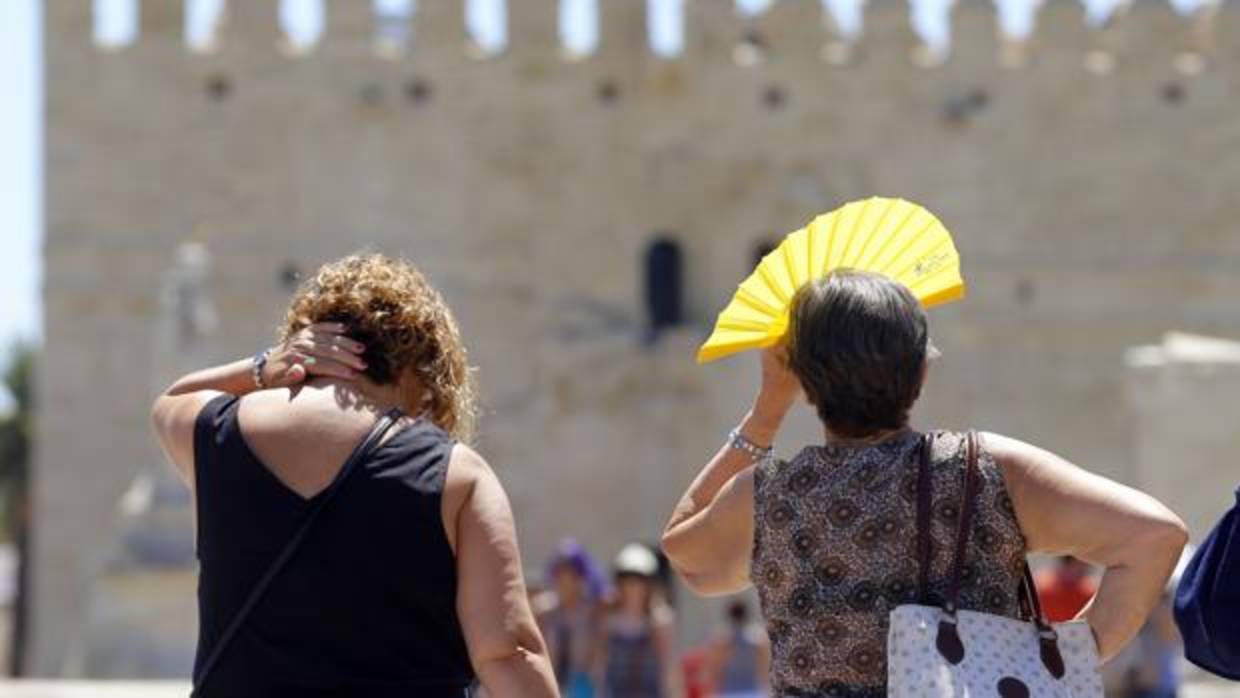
point(330, 350)
point(316, 366)
point(321, 349)
point(332, 332)
point(296, 374)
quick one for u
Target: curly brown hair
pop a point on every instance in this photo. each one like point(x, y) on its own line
point(389, 306)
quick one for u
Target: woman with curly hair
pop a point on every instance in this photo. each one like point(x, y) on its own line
point(395, 574)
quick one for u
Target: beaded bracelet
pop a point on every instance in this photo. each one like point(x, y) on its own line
point(260, 362)
point(738, 441)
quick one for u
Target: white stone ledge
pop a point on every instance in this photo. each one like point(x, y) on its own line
point(94, 689)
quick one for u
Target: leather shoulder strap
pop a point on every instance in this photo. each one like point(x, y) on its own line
point(363, 449)
point(925, 499)
point(968, 505)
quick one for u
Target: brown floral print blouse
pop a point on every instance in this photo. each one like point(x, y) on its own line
point(835, 549)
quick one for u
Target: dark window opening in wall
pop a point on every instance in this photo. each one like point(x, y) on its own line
point(419, 91)
point(608, 92)
point(289, 276)
point(762, 249)
point(1173, 93)
point(218, 87)
point(774, 97)
point(664, 286)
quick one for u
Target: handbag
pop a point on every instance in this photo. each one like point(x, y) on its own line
point(1207, 601)
point(363, 449)
point(943, 651)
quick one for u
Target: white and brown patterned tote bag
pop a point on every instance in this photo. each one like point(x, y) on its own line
point(942, 652)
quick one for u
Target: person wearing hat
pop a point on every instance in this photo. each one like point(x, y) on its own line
point(636, 653)
point(1207, 600)
point(569, 613)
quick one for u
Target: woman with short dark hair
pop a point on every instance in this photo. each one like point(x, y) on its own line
point(330, 568)
point(826, 537)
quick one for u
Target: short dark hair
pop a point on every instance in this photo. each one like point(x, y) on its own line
point(857, 342)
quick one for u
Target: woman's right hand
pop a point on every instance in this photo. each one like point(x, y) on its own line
point(780, 387)
point(321, 349)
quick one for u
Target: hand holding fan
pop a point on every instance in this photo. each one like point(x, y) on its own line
point(892, 237)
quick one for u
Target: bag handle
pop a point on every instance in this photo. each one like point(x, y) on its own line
point(964, 526)
point(948, 641)
point(360, 452)
point(925, 498)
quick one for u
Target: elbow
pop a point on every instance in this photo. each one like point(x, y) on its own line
point(1164, 536)
point(669, 545)
point(700, 582)
point(673, 547)
point(520, 653)
point(158, 414)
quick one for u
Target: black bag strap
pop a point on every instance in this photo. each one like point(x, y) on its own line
point(948, 641)
point(925, 500)
point(968, 506)
point(360, 452)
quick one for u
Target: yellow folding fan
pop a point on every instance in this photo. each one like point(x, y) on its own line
point(889, 236)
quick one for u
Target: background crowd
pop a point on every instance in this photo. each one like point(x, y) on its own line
point(612, 632)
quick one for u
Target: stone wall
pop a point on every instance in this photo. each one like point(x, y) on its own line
point(1093, 212)
point(1185, 395)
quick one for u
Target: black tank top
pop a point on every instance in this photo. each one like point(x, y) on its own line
point(367, 605)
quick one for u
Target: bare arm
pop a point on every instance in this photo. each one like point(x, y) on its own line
point(504, 643)
point(176, 409)
point(709, 537)
point(1065, 510)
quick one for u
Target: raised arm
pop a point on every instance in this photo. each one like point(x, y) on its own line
point(504, 643)
point(176, 409)
point(1065, 510)
point(710, 534)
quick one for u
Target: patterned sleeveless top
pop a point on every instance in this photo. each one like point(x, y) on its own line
point(835, 549)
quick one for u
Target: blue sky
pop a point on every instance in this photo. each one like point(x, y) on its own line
point(20, 179)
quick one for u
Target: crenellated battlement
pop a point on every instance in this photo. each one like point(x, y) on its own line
point(835, 32)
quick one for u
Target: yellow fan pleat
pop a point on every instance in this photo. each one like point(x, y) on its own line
point(841, 232)
point(896, 224)
point(889, 236)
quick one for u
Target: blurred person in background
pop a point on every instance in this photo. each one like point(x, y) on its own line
point(636, 656)
point(1065, 588)
point(825, 537)
point(410, 583)
point(739, 657)
point(570, 613)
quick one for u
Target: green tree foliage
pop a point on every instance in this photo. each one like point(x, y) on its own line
point(16, 434)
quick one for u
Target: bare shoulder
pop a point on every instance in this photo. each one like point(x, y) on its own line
point(299, 415)
point(471, 482)
point(466, 467)
point(1013, 454)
